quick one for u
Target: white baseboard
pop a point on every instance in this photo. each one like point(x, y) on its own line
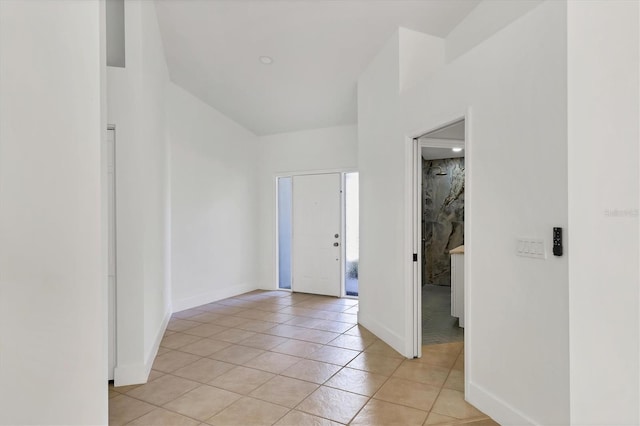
point(495, 407)
point(134, 374)
point(151, 356)
point(211, 296)
point(389, 337)
point(131, 374)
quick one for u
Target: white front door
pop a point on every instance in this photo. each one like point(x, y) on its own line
point(316, 234)
point(111, 205)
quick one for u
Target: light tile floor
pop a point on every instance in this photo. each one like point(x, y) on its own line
point(272, 357)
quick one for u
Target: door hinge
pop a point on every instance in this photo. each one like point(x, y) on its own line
point(415, 257)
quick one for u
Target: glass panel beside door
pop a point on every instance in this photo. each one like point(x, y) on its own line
point(352, 233)
point(284, 233)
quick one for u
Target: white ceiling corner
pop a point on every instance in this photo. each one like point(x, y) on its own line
point(319, 48)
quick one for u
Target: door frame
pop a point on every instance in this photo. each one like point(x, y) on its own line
point(276, 258)
point(112, 334)
point(415, 229)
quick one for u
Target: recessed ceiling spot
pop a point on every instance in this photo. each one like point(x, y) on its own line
point(266, 60)
point(456, 149)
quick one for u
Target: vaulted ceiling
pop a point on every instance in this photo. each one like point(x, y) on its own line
point(318, 48)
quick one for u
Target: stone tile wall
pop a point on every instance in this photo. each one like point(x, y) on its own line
point(442, 217)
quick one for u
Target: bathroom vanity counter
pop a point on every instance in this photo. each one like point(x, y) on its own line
point(457, 250)
point(457, 284)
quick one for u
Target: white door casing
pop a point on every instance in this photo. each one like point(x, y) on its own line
point(111, 194)
point(316, 250)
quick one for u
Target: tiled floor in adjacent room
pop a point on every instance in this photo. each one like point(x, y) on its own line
point(438, 326)
point(270, 357)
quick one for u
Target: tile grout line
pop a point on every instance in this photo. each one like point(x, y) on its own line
point(271, 350)
point(440, 390)
point(235, 365)
point(371, 397)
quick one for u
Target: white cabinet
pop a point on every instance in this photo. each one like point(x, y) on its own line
point(457, 284)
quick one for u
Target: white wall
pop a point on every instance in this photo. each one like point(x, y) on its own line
point(486, 19)
point(52, 251)
point(603, 245)
point(136, 108)
point(152, 128)
point(420, 55)
point(381, 161)
point(514, 83)
point(214, 202)
point(333, 148)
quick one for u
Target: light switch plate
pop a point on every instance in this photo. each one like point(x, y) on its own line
point(531, 247)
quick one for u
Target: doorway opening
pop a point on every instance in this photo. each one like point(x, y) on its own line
point(318, 233)
point(440, 172)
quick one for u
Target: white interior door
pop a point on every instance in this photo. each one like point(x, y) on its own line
point(316, 234)
point(111, 191)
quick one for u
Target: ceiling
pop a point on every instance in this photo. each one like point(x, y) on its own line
point(442, 140)
point(454, 132)
point(430, 153)
point(319, 48)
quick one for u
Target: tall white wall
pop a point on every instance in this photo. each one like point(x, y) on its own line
point(381, 157)
point(420, 55)
point(486, 19)
point(604, 111)
point(136, 108)
point(333, 148)
point(153, 131)
point(52, 246)
point(213, 204)
point(514, 85)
